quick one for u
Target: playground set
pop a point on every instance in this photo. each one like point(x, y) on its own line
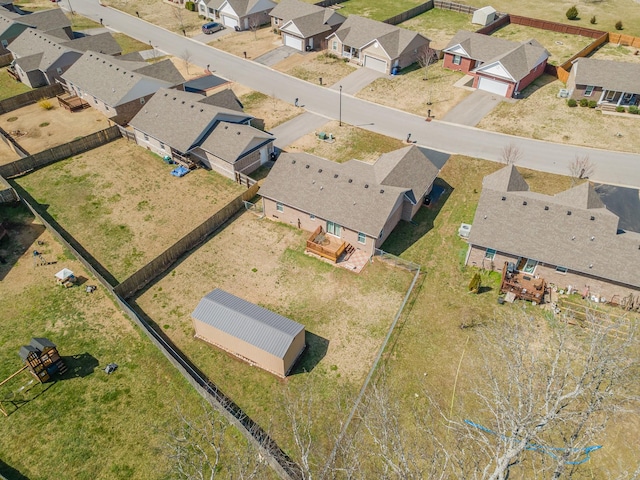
point(42, 359)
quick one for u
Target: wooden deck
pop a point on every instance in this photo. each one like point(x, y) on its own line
point(523, 285)
point(71, 102)
point(326, 245)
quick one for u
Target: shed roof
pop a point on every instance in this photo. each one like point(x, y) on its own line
point(251, 323)
point(571, 229)
point(608, 74)
point(25, 350)
point(41, 343)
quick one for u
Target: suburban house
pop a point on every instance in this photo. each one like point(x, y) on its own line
point(568, 239)
point(249, 332)
point(116, 87)
point(606, 81)
point(180, 125)
point(52, 22)
point(304, 26)
point(377, 45)
point(237, 14)
point(355, 203)
point(100, 42)
point(498, 66)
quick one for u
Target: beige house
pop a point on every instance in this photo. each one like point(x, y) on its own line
point(569, 239)
point(608, 82)
point(237, 14)
point(354, 202)
point(377, 45)
point(249, 332)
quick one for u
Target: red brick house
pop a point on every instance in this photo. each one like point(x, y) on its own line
point(498, 66)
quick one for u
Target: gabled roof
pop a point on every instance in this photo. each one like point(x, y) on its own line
point(248, 322)
point(179, 119)
point(571, 229)
point(290, 9)
point(111, 80)
point(359, 32)
point(35, 50)
point(232, 141)
point(608, 74)
point(517, 58)
point(102, 43)
point(163, 70)
point(309, 19)
point(356, 195)
point(507, 179)
point(42, 20)
point(247, 7)
point(224, 98)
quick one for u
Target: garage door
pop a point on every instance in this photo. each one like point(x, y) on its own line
point(375, 64)
point(493, 86)
point(229, 22)
point(293, 42)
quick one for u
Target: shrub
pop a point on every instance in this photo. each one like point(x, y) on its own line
point(46, 104)
point(474, 284)
point(593, 20)
point(572, 13)
point(593, 104)
point(584, 102)
point(619, 25)
point(634, 109)
point(44, 124)
point(621, 109)
point(191, 6)
point(572, 103)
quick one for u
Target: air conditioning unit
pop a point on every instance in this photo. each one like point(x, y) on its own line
point(464, 230)
point(563, 93)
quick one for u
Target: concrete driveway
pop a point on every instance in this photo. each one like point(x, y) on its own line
point(275, 56)
point(288, 132)
point(204, 38)
point(356, 81)
point(473, 108)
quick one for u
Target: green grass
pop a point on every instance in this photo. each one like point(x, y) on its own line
point(79, 22)
point(10, 87)
point(439, 25)
point(87, 425)
point(379, 10)
point(129, 44)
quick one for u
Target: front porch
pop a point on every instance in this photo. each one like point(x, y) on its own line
point(353, 54)
point(612, 98)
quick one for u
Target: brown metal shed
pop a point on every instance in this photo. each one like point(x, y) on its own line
point(249, 332)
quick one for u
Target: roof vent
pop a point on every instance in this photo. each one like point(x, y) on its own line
point(292, 162)
point(504, 198)
point(366, 185)
point(321, 187)
point(524, 203)
point(182, 102)
point(238, 133)
point(593, 238)
point(546, 207)
point(381, 191)
point(226, 127)
point(174, 98)
point(166, 94)
point(335, 175)
point(592, 218)
point(568, 212)
point(591, 265)
point(319, 170)
point(201, 110)
point(192, 106)
point(573, 238)
point(306, 166)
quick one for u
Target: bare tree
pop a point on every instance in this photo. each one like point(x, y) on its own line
point(581, 167)
point(427, 57)
point(186, 58)
point(178, 14)
point(253, 26)
point(511, 154)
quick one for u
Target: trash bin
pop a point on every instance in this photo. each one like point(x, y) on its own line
point(322, 135)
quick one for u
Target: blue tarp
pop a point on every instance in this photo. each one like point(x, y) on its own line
point(180, 171)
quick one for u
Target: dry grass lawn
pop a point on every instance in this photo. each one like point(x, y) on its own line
point(378, 10)
point(164, 14)
point(619, 53)
point(349, 142)
point(607, 12)
point(255, 43)
point(439, 25)
point(312, 66)
point(543, 116)
point(37, 129)
point(120, 202)
point(561, 46)
point(272, 110)
point(346, 316)
point(411, 93)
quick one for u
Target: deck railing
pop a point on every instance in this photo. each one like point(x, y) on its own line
point(332, 252)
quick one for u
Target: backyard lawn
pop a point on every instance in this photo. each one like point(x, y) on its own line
point(87, 425)
point(544, 116)
point(378, 10)
point(9, 87)
point(439, 25)
point(619, 53)
point(561, 46)
point(120, 202)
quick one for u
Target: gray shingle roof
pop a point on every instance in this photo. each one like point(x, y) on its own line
point(107, 79)
point(539, 227)
point(309, 19)
point(358, 32)
point(179, 119)
point(35, 50)
point(608, 74)
point(102, 43)
point(353, 194)
point(290, 9)
point(232, 141)
point(247, 7)
point(224, 98)
point(43, 20)
point(255, 325)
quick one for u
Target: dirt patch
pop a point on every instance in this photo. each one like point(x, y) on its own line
point(619, 53)
point(272, 110)
point(254, 44)
point(121, 220)
point(410, 92)
point(544, 116)
point(37, 129)
point(348, 142)
point(313, 66)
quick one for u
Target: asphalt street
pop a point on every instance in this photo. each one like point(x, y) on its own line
point(610, 167)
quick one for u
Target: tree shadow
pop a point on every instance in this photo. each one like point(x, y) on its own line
point(20, 235)
point(484, 289)
point(407, 233)
point(11, 473)
point(79, 366)
point(316, 349)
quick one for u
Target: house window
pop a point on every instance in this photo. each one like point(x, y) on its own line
point(589, 90)
point(276, 21)
point(279, 207)
point(490, 254)
point(560, 269)
point(530, 266)
point(334, 45)
point(362, 238)
point(334, 228)
point(610, 95)
point(457, 59)
point(312, 217)
point(161, 146)
point(211, 11)
point(146, 137)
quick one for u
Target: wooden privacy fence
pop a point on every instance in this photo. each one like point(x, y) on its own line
point(162, 262)
point(627, 40)
point(5, 59)
point(52, 155)
point(28, 98)
point(412, 12)
point(12, 144)
point(7, 193)
point(562, 71)
point(455, 7)
point(285, 467)
point(555, 26)
point(328, 3)
point(500, 22)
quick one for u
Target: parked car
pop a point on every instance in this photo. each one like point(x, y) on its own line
point(212, 27)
